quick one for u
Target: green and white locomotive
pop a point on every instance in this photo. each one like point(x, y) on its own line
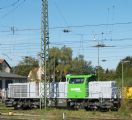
point(78, 91)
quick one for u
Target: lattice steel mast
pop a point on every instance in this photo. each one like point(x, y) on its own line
point(44, 51)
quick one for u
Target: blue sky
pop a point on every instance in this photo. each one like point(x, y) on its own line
point(26, 14)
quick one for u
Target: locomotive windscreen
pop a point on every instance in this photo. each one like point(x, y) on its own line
point(76, 80)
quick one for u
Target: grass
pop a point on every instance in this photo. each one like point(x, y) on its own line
point(56, 114)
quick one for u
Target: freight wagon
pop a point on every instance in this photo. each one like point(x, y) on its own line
point(128, 92)
point(78, 91)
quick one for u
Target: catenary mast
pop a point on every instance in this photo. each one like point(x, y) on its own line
point(44, 52)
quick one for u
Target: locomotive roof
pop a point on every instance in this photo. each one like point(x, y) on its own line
point(73, 76)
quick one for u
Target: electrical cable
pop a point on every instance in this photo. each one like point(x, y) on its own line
point(10, 5)
point(60, 12)
point(6, 14)
point(78, 26)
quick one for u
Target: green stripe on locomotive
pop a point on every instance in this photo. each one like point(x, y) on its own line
point(78, 85)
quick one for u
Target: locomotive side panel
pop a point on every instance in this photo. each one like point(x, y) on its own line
point(103, 89)
point(22, 90)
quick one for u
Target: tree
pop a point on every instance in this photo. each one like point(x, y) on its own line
point(81, 66)
point(24, 66)
point(106, 74)
point(127, 67)
point(59, 62)
point(110, 75)
point(127, 70)
point(100, 72)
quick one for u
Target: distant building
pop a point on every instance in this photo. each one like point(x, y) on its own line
point(35, 74)
point(4, 66)
point(6, 78)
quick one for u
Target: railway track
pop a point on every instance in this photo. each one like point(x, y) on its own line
point(94, 118)
point(17, 116)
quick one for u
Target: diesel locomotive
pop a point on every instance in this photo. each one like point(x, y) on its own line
point(77, 92)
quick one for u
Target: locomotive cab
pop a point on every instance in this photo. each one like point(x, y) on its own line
point(78, 85)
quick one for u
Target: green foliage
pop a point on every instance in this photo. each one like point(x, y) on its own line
point(81, 66)
point(24, 66)
point(59, 62)
point(62, 63)
point(100, 73)
point(29, 61)
point(109, 75)
point(127, 70)
point(105, 74)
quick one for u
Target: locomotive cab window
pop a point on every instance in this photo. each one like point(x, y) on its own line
point(76, 80)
